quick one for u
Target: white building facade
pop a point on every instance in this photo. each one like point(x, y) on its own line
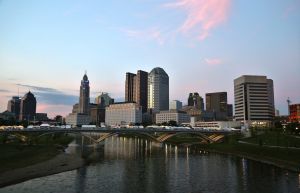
point(254, 99)
point(123, 114)
point(77, 119)
point(217, 125)
point(172, 115)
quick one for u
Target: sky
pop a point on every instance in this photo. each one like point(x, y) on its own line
point(203, 45)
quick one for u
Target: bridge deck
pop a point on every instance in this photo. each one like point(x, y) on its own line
point(119, 130)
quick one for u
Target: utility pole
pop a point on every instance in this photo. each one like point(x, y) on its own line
point(288, 102)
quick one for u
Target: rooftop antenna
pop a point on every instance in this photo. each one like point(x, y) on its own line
point(85, 72)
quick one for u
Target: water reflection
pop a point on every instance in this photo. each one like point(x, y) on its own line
point(245, 174)
point(132, 165)
point(80, 180)
point(299, 181)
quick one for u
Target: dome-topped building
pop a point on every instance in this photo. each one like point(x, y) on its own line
point(159, 71)
point(158, 89)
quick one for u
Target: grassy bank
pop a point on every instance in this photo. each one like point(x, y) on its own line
point(18, 156)
point(22, 151)
point(274, 139)
point(282, 157)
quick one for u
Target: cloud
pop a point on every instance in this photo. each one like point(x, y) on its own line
point(53, 110)
point(38, 88)
point(202, 15)
point(4, 90)
point(148, 34)
point(213, 61)
point(51, 96)
point(292, 8)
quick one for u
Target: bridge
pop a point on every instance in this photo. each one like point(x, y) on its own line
point(157, 135)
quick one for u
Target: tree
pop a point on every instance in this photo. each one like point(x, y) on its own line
point(172, 123)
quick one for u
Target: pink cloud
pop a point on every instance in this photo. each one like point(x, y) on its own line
point(53, 110)
point(213, 61)
point(149, 34)
point(202, 15)
point(292, 8)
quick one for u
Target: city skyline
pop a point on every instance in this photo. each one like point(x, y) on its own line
point(202, 45)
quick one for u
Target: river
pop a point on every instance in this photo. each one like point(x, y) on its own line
point(136, 165)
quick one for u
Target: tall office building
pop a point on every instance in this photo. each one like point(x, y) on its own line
point(130, 87)
point(158, 90)
point(195, 100)
point(136, 88)
point(28, 107)
point(216, 102)
point(254, 99)
point(81, 112)
point(84, 98)
point(142, 89)
point(13, 106)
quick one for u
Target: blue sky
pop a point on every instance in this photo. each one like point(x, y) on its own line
point(46, 46)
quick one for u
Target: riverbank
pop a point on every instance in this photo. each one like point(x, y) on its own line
point(270, 148)
point(259, 154)
point(60, 163)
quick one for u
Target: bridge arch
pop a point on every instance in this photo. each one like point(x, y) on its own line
point(105, 136)
point(208, 139)
point(149, 136)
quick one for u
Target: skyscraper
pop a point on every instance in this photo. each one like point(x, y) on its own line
point(158, 90)
point(13, 106)
point(195, 100)
point(84, 98)
point(81, 112)
point(136, 88)
point(130, 87)
point(28, 107)
point(254, 98)
point(141, 90)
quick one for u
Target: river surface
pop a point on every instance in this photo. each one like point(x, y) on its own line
point(135, 165)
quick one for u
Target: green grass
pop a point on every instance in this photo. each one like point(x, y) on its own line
point(274, 139)
point(282, 156)
point(17, 153)
point(18, 156)
point(290, 155)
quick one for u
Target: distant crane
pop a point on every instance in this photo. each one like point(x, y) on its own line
point(288, 102)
